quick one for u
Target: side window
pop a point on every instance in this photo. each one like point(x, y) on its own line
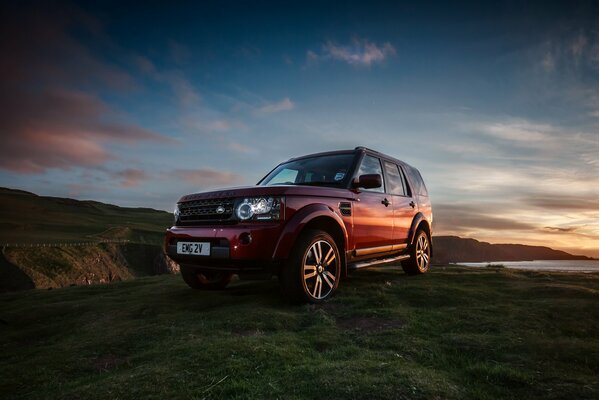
point(371, 165)
point(394, 179)
point(417, 182)
point(406, 185)
point(422, 191)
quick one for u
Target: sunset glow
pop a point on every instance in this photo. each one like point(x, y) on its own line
point(497, 106)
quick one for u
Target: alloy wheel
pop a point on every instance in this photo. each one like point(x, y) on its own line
point(320, 269)
point(422, 252)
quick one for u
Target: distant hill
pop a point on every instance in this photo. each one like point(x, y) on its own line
point(119, 243)
point(29, 218)
point(456, 249)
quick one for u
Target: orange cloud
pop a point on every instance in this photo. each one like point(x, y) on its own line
point(130, 177)
point(206, 177)
point(60, 129)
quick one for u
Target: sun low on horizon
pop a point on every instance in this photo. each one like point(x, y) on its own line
point(497, 105)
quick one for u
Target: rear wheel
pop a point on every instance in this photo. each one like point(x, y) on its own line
point(313, 270)
point(420, 255)
point(203, 280)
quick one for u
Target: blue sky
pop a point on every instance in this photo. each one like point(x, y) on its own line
point(497, 105)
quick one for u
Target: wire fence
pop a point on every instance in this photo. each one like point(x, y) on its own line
point(63, 244)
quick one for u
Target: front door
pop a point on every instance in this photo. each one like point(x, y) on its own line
point(373, 213)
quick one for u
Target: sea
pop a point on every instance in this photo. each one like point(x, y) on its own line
point(545, 265)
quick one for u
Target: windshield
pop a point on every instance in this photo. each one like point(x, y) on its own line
point(330, 170)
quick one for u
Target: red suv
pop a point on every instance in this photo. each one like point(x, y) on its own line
point(310, 221)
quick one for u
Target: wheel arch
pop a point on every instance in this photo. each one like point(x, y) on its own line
point(420, 222)
point(315, 216)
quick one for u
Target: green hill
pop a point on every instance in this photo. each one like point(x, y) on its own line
point(27, 218)
point(50, 242)
point(455, 333)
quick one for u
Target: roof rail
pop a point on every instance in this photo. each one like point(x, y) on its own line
point(366, 148)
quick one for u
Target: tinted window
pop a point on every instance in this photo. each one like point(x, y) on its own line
point(371, 165)
point(423, 191)
point(394, 179)
point(330, 170)
point(417, 182)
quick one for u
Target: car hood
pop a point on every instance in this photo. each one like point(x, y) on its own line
point(279, 190)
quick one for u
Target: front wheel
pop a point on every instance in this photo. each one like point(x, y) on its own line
point(313, 270)
point(205, 280)
point(420, 255)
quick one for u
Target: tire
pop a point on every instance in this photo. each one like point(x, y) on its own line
point(203, 280)
point(420, 255)
point(312, 272)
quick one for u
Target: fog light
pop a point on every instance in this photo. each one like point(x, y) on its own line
point(245, 238)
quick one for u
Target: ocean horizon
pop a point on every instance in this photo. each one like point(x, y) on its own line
point(587, 266)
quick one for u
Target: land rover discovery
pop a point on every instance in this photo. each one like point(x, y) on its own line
point(310, 221)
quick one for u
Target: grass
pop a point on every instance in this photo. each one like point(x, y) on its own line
point(26, 218)
point(455, 333)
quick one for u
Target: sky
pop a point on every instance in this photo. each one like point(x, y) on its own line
point(496, 104)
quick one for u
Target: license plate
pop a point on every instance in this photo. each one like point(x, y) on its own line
point(193, 248)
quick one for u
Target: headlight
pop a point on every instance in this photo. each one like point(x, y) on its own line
point(259, 209)
point(176, 213)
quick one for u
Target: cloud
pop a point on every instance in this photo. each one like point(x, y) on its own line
point(284, 105)
point(517, 130)
point(570, 51)
point(461, 218)
point(130, 177)
point(239, 148)
point(563, 203)
point(196, 124)
point(68, 129)
point(50, 116)
point(205, 177)
point(311, 57)
point(360, 52)
point(42, 50)
point(184, 90)
point(557, 229)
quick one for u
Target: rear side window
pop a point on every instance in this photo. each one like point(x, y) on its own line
point(395, 184)
point(417, 181)
point(371, 165)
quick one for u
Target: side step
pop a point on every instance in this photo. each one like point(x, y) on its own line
point(381, 261)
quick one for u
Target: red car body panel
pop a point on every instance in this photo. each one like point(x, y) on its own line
point(372, 227)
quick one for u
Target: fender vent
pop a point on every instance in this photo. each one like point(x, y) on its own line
point(345, 208)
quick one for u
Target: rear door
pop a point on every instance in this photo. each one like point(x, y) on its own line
point(419, 192)
point(404, 207)
point(373, 213)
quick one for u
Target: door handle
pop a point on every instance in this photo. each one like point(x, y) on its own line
point(412, 204)
point(385, 202)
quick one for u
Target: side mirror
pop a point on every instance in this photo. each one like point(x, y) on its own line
point(368, 181)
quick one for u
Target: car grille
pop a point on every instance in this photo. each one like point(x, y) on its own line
point(205, 211)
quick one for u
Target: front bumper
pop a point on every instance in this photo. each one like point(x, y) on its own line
point(230, 249)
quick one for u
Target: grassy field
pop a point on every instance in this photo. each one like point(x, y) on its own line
point(454, 333)
point(26, 218)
